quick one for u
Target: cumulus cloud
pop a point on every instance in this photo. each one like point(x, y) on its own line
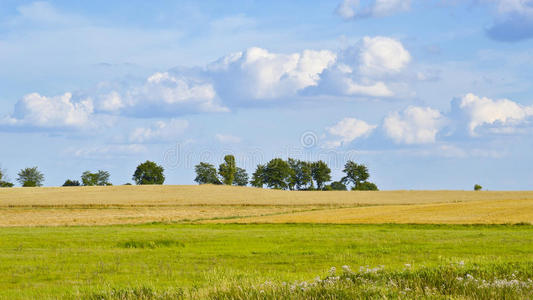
point(228, 139)
point(501, 114)
point(35, 110)
point(414, 125)
point(259, 74)
point(364, 69)
point(382, 55)
point(159, 131)
point(352, 9)
point(514, 21)
point(347, 130)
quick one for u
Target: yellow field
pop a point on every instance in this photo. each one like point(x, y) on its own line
point(141, 204)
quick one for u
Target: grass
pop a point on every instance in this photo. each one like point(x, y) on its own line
point(229, 260)
point(142, 204)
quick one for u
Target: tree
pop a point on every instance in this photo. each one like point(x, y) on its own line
point(149, 173)
point(366, 186)
point(277, 174)
point(206, 174)
point(338, 186)
point(320, 173)
point(300, 176)
point(241, 177)
point(258, 177)
point(355, 174)
point(228, 169)
point(30, 177)
point(477, 187)
point(69, 182)
point(100, 178)
point(3, 180)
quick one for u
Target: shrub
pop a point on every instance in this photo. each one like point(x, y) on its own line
point(477, 187)
point(69, 182)
point(366, 186)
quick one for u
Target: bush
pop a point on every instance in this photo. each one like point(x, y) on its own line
point(477, 187)
point(338, 186)
point(69, 182)
point(366, 186)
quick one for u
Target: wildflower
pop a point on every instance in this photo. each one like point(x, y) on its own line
point(407, 265)
point(332, 271)
point(346, 269)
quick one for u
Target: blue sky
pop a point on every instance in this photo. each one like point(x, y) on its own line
point(428, 94)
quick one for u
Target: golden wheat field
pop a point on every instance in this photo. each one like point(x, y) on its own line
point(141, 204)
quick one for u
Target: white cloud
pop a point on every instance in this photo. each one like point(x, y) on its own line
point(348, 129)
point(111, 102)
point(382, 55)
point(34, 110)
point(259, 74)
point(415, 125)
point(228, 139)
point(484, 111)
point(159, 131)
point(352, 9)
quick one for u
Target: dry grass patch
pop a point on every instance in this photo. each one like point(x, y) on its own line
point(475, 212)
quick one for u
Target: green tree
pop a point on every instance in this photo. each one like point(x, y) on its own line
point(356, 174)
point(4, 182)
point(258, 177)
point(206, 174)
point(320, 173)
point(228, 169)
point(69, 182)
point(366, 186)
point(277, 174)
point(241, 177)
point(338, 186)
point(149, 173)
point(100, 178)
point(477, 187)
point(300, 176)
point(30, 177)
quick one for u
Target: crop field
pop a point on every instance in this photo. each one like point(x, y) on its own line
point(143, 204)
point(218, 242)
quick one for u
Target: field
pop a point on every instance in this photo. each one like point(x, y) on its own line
point(170, 242)
point(143, 204)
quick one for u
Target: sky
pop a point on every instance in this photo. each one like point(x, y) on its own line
point(428, 94)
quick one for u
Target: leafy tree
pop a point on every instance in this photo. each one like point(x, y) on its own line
point(241, 177)
point(258, 177)
point(477, 187)
point(206, 174)
point(3, 181)
point(100, 178)
point(366, 186)
point(277, 174)
point(300, 176)
point(320, 173)
point(356, 174)
point(149, 173)
point(30, 177)
point(228, 169)
point(338, 186)
point(69, 182)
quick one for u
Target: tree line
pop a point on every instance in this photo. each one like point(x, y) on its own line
point(290, 174)
point(146, 173)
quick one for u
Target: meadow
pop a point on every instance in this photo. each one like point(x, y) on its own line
point(232, 261)
point(220, 242)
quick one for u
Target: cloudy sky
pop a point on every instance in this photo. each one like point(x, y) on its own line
point(429, 94)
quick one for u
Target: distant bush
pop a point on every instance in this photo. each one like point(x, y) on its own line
point(69, 182)
point(366, 186)
point(338, 186)
point(477, 187)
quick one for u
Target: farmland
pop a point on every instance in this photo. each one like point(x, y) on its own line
point(170, 242)
point(143, 204)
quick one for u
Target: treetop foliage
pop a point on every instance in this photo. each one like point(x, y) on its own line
point(149, 173)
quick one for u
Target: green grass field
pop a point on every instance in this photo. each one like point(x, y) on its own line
point(164, 261)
